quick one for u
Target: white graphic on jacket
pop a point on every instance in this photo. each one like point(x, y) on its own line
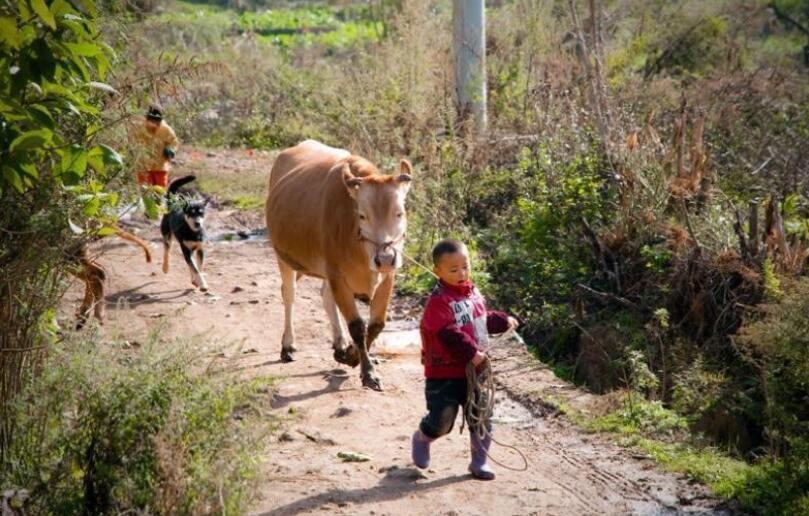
point(464, 314)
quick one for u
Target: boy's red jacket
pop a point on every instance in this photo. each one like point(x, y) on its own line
point(455, 325)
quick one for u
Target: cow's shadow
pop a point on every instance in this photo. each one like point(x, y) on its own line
point(334, 381)
point(388, 488)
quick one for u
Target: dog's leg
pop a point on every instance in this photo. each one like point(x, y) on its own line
point(166, 253)
point(165, 232)
point(93, 277)
point(196, 277)
point(200, 263)
point(97, 284)
point(87, 302)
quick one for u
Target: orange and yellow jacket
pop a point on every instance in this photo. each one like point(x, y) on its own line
point(152, 146)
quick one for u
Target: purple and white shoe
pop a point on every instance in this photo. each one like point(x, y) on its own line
point(420, 449)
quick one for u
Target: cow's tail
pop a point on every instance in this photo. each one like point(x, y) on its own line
point(177, 183)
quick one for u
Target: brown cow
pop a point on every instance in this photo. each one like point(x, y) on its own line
point(330, 214)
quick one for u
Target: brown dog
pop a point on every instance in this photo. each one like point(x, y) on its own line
point(93, 276)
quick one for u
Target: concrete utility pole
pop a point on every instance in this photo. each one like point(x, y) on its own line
point(469, 44)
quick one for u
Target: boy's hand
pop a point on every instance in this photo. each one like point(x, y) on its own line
point(513, 323)
point(479, 358)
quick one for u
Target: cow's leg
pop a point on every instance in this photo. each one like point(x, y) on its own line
point(356, 328)
point(288, 294)
point(379, 309)
point(344, 354)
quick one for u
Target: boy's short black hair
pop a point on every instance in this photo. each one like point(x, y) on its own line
point(447, 246)
point(154, 113)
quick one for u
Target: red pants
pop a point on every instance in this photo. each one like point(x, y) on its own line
point(154, 177)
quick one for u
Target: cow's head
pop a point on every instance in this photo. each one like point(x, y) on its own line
point(381, 215)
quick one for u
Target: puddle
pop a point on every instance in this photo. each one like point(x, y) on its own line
point(508, 411)
point(397, 342)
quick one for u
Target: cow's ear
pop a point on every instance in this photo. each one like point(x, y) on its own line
point(405, 174)
point(405, 170)
point(351, 181)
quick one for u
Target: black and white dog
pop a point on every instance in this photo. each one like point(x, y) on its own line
point(186, 221)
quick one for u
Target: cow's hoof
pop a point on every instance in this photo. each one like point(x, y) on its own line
point(348, 356)
point(287, 355)
point(372, 382)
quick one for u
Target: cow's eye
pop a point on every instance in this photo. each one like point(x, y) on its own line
point(399, 215)
point(362, 217)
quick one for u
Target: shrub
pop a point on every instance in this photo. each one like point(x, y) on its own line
point(105, 429)
point(778, 487)
point(777, 346)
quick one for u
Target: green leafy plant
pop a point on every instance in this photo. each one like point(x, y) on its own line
point(105, 429)
point(50, 119)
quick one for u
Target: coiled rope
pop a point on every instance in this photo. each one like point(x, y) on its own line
point(479, 407)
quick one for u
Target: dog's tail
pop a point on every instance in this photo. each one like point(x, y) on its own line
point(139, 241)
point(177, 183)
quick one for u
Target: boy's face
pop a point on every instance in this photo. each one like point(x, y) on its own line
point(453, 268)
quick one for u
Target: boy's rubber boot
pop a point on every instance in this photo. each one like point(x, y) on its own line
point(420, 449)
point(478, 467)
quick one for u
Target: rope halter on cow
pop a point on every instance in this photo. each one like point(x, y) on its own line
point(383, 247)
point(479, 405)
point(380, 245)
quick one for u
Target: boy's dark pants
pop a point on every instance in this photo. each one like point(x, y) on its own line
point(444, 398)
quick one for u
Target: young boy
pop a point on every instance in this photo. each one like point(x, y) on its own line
point(454, 331)
point(155, 146)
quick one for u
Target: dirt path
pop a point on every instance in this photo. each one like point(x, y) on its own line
point(325, 410)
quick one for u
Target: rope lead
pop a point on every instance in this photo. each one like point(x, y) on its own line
point(479, 408)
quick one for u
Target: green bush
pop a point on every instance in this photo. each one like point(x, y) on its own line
point(539, 253)
point(108, 429)
point(777, 345)
point(778, 487)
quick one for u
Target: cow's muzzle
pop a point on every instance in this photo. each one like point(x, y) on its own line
point(386, 257)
